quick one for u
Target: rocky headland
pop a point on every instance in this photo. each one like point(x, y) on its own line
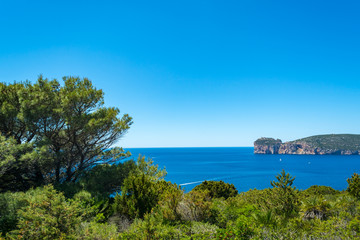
point(331, 144)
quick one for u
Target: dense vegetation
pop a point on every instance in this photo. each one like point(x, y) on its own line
point(267, 141)
point(333, 141)
point(60, 180)
point(53, 134)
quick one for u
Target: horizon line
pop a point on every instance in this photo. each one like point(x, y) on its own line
point(191, 147)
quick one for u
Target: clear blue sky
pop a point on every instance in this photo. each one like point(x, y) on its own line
point(198, 73)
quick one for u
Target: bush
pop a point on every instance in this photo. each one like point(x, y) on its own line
point(217, 189)
point(10, 203)
point(140, 191)
point(266, 218)
point(354, 185)
point(170, 196)
point(320, 190)
point(138, 197)
point(153, 227)
point(242, 229)
point(99, 231)
point(47, 215)
point(225, 211)
point(315, 206)
point(195, 206)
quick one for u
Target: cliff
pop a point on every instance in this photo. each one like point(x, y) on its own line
point(331, 144)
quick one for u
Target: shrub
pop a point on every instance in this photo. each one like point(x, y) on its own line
point(170, 196)
point(10, 203)
point(315, 207)
point(320, 190)
point(242, 229)
point(47, 215)
point(224, 211)
point(195, 206)
point(354, 185)
point(266, 218)
point(217, 189)
point(138, 197)
point(98, 231)
point(140, 191)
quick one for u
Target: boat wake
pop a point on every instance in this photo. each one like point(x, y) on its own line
point(184, 184)
point(212, 179)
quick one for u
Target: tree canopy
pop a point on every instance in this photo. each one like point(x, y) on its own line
point(66, 129)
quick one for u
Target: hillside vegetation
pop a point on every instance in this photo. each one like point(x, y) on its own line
point(331, 144)
point(333, 141)
point(267, 141)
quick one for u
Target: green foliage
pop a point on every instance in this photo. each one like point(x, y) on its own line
point(11, 122)
point(354, 185)
point(170, 196)
point(354, 224)
point(217, 189)
point(266, 218)
point(267, 141)
point(16, 172)
point(225, 211)
point(94, 230)
point(262, 199)
point(47, 215)
point(148, 228)
point(68, 128)
point(140, 191)
point(343, 205)
point(101, 182)
point(152, 227)
point(106, 179)
point(315, 206)
point(280, 202)
point(282, 199)
point(333, 141)
point(10, 203)
point(199, 230)
point(284, 181)
point(138, 197)
point(242, 229)
point(286, 196)
point(150, 224)
point(44, 213)
point(147, 167)
point(195, 206)
point(320, 190)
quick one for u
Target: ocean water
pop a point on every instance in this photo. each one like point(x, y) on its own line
point(240, 166)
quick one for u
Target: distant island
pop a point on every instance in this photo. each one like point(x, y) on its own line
point(330, 144)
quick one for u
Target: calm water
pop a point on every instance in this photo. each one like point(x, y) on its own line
point(191, 166)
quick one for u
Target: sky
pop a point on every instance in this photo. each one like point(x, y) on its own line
point(198, 73)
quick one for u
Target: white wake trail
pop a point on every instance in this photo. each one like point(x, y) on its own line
point(212, 179)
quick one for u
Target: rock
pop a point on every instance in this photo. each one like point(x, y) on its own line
point(314, 213)
point(267, 146)
point(332, 144)
point(296, 148)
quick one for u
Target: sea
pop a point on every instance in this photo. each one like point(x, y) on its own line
point(189, 167)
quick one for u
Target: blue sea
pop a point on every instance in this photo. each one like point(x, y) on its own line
point(240, 166)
